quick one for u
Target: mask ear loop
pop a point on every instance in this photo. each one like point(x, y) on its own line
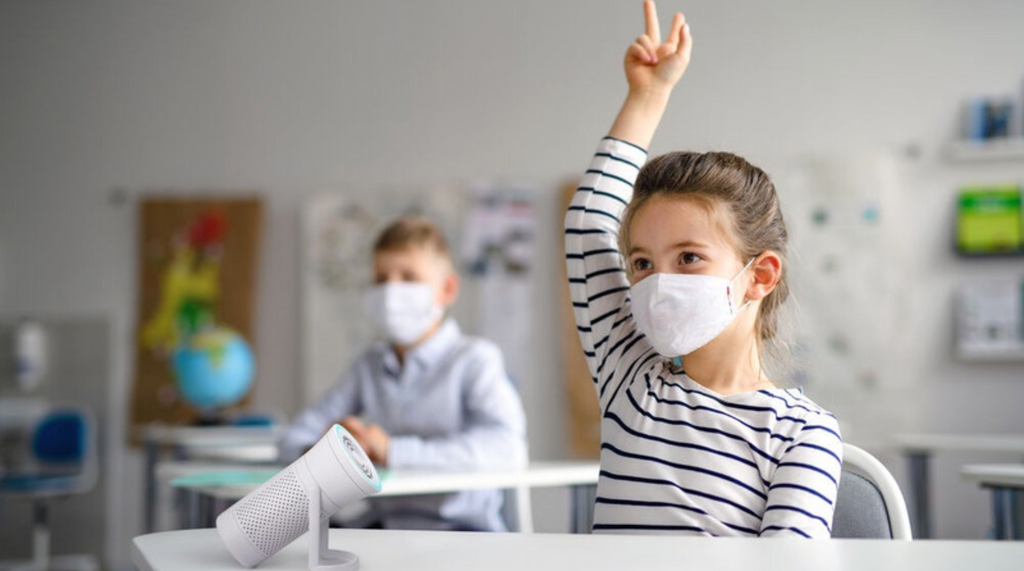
point(728, 289)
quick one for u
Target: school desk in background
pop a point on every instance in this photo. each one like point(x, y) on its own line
point(207, 489)
point(254, 444)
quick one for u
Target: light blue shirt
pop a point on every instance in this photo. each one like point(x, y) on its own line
point(450, 405)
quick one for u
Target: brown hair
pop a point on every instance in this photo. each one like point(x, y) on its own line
point(412, 232)
point(742, 201)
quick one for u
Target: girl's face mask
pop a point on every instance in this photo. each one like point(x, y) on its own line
point(680, 313)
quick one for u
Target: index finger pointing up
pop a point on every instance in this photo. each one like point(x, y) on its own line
point(651, 15)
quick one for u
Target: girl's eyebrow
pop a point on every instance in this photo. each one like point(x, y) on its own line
point(678, 246)
point(636, 250)
point(689, 244)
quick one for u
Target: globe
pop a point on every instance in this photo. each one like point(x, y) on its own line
point(213, 368)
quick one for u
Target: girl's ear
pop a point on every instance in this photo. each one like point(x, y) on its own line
point(765, 272)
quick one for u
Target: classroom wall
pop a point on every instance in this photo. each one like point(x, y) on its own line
point(102, 101)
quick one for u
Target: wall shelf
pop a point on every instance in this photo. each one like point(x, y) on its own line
point(988, 255)
point(994, 355)
point(1009, 149)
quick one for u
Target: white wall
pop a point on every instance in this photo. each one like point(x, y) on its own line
point(292, 98)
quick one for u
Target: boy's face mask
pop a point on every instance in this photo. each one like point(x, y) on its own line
point(403, 311)
point(680, 313)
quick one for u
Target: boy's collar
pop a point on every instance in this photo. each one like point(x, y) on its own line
point(429, 351)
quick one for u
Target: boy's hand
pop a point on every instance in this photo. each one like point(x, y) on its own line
point(655, 65)
point(372, 438)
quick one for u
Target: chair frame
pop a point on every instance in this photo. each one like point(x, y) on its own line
point(41, 499)
point(859, 461)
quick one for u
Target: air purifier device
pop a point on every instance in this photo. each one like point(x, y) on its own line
point(302, 497)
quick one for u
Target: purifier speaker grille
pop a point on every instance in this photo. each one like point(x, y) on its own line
point(335, 471)
point(274, 516)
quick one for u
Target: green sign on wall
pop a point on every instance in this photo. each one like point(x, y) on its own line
point(989, 220)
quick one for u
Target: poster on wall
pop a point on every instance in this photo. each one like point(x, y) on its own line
point(198, 260)
point(498, 258)
point(850, 276)
point(989, 220)
point(990, 321)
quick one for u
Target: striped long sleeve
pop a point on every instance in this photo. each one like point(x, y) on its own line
point(677, 457)
point(598, 285)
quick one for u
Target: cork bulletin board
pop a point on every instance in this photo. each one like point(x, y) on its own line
point(584, 410)
point(198, 258)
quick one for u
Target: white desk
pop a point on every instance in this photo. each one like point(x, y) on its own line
point(580, 475)
point(382, 550)
point(231, 443)
point(1004, 481)
point(918, 448)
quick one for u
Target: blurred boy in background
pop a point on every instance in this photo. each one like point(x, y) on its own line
point(427, 397)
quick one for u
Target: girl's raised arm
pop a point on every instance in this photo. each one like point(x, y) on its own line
point(653, 68)
point(598, 284)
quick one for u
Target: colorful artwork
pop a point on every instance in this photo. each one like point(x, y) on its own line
point(190, 284)
point(194, 360)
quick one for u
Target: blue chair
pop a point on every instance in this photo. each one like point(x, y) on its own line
point(49, 454)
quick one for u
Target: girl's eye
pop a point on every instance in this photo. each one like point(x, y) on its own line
point(689, 258)
point(641, 265)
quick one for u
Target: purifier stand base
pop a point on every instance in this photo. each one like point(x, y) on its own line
point(320, 557)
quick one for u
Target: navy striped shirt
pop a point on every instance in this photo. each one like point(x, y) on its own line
point(677, 457)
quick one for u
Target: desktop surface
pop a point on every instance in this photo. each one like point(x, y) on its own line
point(234, 481)
point(380, 550)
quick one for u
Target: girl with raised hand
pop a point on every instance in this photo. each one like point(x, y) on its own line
point(677, 270)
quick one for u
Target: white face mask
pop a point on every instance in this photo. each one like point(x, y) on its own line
point(680, 313)
point(403, 311)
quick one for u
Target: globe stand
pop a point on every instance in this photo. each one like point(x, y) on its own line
point(211, 416)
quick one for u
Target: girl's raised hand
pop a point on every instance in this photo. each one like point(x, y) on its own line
point(653, 68)
point(653, 65)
